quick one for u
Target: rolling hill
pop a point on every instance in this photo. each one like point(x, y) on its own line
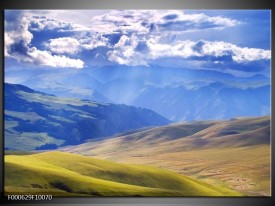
point(233, 153)
point(35, 120)
point(187, 136)
point(65, 174)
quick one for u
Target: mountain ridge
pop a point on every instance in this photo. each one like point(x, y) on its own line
point(35, 118)
point(165, 90)
point(241, 132)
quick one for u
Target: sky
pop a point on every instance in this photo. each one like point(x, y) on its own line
point(230, 41)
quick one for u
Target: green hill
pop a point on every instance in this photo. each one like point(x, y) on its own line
point(63, 174)
point(35, 120)
point(197, 135)
point(233, 153)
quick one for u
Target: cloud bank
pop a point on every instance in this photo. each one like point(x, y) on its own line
point(18, 39)
point(144, 22)
point(126, 51)
point(130, 37)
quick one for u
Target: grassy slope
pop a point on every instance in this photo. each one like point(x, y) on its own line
point(233, 154)
point(186, 136)
point(34, 119)
point(244, 169)
point(71, 174)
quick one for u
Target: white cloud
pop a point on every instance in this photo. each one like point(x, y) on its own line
point(144, 22)
point(216, 21)
point(239, 54)
point(125, 20)
point(63, 45)
point(77, 19)
point(19, 34)
point(8, 41)
point(124, 51)
point(92, 41)
point(17, 45)
point(69, 45)
point(249, 54)
point(143, 37)
point(44, 58)
point(141, 21)
point(38, 23)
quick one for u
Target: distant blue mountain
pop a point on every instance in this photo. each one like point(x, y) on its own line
point(215, 101)
point(169, 75)
point(176, 93)
point(184, 94)
point(35, 120)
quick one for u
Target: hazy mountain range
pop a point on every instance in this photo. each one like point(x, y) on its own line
point(175, 93)
point(137, 102)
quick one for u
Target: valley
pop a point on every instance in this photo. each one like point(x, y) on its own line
point(233, 154)
point(178, 94)
point(137, 103)
point(35, 120)
point(232, 157)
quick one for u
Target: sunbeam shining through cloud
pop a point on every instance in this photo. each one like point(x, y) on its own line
point(181, 97)
point(158, 59)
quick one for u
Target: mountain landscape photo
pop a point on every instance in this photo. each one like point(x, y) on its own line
point(157, 103)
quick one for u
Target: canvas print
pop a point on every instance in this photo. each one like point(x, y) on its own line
point(116, 103)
